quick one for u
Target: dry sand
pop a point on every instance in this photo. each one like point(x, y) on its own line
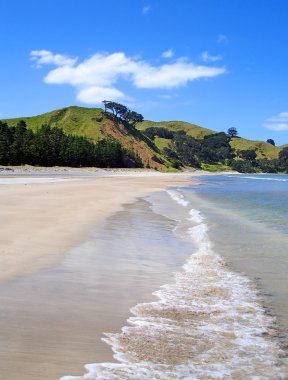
point(42, 218)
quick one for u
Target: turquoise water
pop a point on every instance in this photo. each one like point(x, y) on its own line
point(223, 315)
point(261, 198)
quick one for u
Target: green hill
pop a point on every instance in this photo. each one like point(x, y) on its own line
point(94, 124)
point(73, 120)
point(191, 129)
point(263, 149)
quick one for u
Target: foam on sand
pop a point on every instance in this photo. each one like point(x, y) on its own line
point(208, 324)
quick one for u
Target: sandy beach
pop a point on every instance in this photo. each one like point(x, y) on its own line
point(58, 291)
point(82, 254)
point(41, 218)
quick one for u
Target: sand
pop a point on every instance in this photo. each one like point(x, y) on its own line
point(42, 217)
point(52, 316)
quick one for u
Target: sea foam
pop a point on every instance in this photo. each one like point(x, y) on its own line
point(178, 197)
point(207, 324)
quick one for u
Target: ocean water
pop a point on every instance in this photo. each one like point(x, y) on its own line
point(223, 314)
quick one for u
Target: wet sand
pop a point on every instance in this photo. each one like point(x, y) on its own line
point(41, 221)
point(63, 282)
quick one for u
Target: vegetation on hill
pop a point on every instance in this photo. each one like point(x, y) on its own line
point(184, 149)
point(239, 156)
point(177, 126)
point(118, 136)
point(263, 149)
point(95, 125)
point(215, 151)
point(52, 147)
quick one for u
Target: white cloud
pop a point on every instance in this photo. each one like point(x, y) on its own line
point(95, 94)
point(222, 39)
point(44, 57)
point(146, 9)
point(167, 54)
point(206, 57)
point(100, 69)
point(95, 78)
point(168, 96)
point(172, 75)
point(277, 123)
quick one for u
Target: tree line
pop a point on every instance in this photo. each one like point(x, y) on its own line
point(52, 147)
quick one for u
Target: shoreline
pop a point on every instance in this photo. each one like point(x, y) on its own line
point(42, 221)
point(91, 297)
point(53, 320)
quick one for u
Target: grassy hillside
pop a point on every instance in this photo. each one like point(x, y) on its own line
point(93, 124)
point(263, 149)
point(191, 129)
point(73, 120)
point(162, 143)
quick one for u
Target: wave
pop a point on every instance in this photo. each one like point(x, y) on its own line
point(195, 216)
point(207, 324)
point(178, 197)
point(263, 179)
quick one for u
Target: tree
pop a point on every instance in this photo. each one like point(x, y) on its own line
point(5, 143)
point(118, 110)
point(216, 148)
point(283, 160)
point(224, 153)
point(248, 155)
point(242, 166)
point(271, 141)
point(283, 154)
point(170, 153)
point(232, 132)
point(17, 155)
point(208, 155)
point(268, 166)
point(21, 125)
point(123, 113)
point(133, 117)
point(187, 149)
point(162, 132)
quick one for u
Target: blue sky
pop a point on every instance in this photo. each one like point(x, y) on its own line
point(216, 63)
